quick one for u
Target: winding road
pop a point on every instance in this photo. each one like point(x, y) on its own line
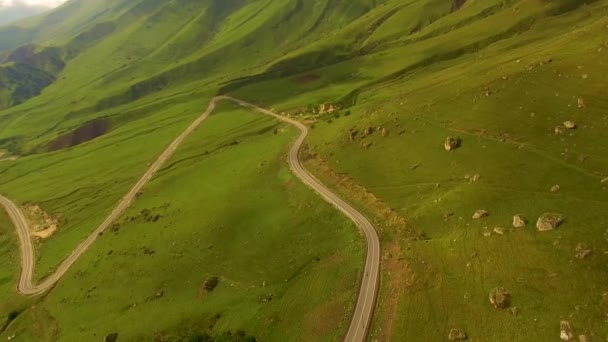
point(364, 308)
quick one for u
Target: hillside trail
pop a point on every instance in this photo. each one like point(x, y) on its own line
point(369, 284)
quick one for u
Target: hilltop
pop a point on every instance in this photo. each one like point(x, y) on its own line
point(93, 91)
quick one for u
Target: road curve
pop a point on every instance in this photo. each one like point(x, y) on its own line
point(364, 308)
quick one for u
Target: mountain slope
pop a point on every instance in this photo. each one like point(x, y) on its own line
point(404, 75)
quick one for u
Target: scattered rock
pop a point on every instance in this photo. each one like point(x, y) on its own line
point(385, 132)
point(505, 78)
point(499, 231)
point(559, 130)
point(582, 251)
point(580, 102)
point(457, 335)
point(475, 178)
point(487, 233)
point(549, 221)
point(327, 108)
point(519, 221)
point(604, 180)
point(451, 143)
point(480, 214)
point(111, 337)
point(565, 331)
point(584, 338)
point(555, 188)
point(368, 131)
point(211, 283)
point(570, 124)
point(500, 298)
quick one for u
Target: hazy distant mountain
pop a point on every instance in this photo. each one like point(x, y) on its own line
point(14, 13)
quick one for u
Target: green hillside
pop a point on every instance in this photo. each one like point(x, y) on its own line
point(100, 88)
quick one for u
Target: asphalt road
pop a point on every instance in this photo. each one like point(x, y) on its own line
point(364, 308)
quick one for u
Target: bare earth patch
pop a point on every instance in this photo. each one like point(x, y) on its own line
point(307, 78)
point(43, 224)
point(396, 273)
point(82, 134)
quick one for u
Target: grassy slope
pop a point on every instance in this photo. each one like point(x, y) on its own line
point(270, 247)
point(433, 91)
point(409, 66)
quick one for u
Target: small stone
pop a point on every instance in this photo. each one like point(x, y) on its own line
point(514, 311)
point(580, 102)
point(559, 130)
point(385, 132)
point(604, 180)
point(457, 335)
point(519, 221)
point(475, 178)
point(584, 338)
point(565, 331)
point(480, 214)
point(549, 221)
point(487, 234)
point(499, 231)
point(451, 143)
point(500, 298)
point(111, 337)
point(570, 124)
point(555, 188)
point(582, 251)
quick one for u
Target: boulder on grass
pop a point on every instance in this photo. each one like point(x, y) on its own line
point(582, 251)
point(480, 214)
point(549, 221)
point(519, 221)
point(565, 331)
point(457, 335)
point(451, 143)
point(111, 337)
point(500, 298)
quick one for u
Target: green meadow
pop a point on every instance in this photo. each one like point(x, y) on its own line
point(502, 76)
point(281, 255)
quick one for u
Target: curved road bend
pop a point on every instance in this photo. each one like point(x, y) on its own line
point(364, 309)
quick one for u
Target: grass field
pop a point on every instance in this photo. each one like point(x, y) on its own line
point(499, 75)
point(281, 255)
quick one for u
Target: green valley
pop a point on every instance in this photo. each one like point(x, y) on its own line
point(453, 126)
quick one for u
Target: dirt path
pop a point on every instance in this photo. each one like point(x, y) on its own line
point(366, 299)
